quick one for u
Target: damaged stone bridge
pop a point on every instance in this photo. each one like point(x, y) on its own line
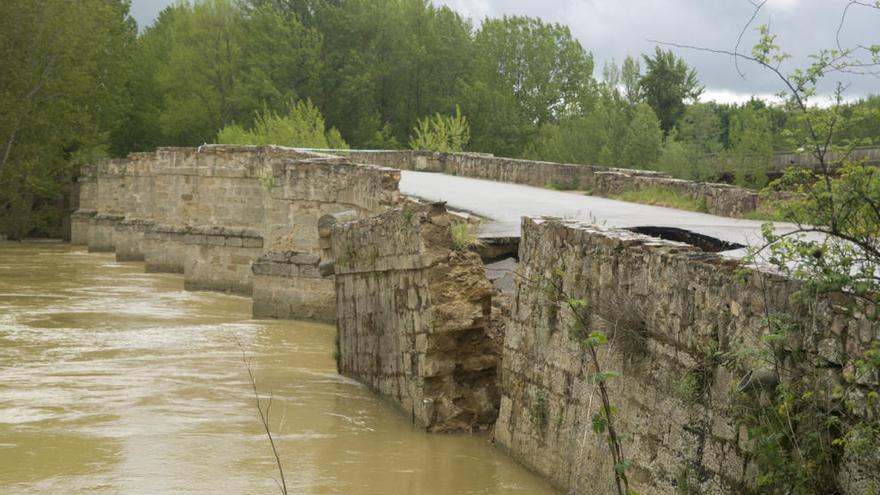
point(459, 332)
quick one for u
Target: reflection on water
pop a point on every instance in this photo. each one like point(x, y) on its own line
point(116, 381)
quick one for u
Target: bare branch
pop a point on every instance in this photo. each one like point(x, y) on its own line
point(758, 7)
point(264, 417)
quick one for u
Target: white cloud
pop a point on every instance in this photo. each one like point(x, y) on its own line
point(782, 5)
point(728, 96)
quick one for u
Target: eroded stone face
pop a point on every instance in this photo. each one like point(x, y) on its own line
point(665, 307)
point(413, 316)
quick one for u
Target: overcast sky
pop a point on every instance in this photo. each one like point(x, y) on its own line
point(612, 29)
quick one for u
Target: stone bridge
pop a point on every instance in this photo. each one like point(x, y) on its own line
point(461, 341)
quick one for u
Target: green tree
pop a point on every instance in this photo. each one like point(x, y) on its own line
point(526, 73)
point(447, 133)
point(701, 125)
point(62, 79)
point(611, 133)
point(141, 130)
point(667, 85)
point(691, 150)
point(214, 63)
point(817, 424)
point(283, 59)
point(630, 79)
point(643, 141)
point(751, 148)
point(389, 62)
point(681, 158)
point(301, 126)
point(199, 74)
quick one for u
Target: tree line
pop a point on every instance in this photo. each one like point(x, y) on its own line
point(79, 82)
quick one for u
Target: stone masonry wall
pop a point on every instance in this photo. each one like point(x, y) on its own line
point(667, 308)
point(220, 258)
point(720, 199)
point(413, 317)
point(288, 284)
point(161, 207)
point(86, 196)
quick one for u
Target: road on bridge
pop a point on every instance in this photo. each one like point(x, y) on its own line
point(504, 204)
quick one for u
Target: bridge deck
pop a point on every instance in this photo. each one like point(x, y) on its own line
point(504, 204)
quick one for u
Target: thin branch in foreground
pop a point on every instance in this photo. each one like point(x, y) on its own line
point(264, 417)
point(758, 7)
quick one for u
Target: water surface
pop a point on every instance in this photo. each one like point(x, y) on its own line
point(117, 381)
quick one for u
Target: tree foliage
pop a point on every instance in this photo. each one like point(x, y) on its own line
point(803, 439)
point(446, 133)
point(667, 85)
point(301, 126)
point(526, 73)
point(62, 94)
point(375, 69)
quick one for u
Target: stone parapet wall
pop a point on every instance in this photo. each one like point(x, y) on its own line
point(413, 317)
point(280, 191)
point(781, 161)
point(720, 199)
point(667, 309)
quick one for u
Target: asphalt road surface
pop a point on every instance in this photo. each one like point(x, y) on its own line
point(504, 204)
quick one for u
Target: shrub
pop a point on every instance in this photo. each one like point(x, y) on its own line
point(663, 196)
point(301, 126)
point(445, 133)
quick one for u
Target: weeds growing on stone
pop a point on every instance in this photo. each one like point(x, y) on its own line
point(663, 196)
point(463, 235)
point(267, 179)
point(603, 422)
point(539, 413)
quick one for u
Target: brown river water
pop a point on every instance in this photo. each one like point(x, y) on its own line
point(117, 381)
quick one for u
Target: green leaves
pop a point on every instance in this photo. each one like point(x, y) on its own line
point(766, 51)
point(446, 133)
point(301, 126)
point(599, 423)
point(526, 73)
point(669, 82)
point(62, 92)
point(604, 376)
point(594, 339)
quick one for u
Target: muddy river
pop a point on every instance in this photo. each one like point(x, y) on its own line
point(117, 381)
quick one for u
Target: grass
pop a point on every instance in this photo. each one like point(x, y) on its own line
point(464, 235)
point(771, 210)
point(663, 196)
point(561, 186)
point(765, 215)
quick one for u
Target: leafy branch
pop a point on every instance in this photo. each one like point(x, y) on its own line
point(591, 341)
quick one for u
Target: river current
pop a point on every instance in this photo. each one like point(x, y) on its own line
point(116, 381)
